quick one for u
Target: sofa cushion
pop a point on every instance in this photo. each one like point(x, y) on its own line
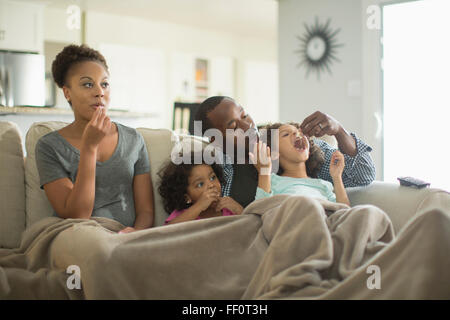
point(159, 144)
point(37, 204)
point(399, 202)
point(12, 186)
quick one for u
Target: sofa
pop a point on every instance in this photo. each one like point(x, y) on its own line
point(271, 251)
point(23, 203)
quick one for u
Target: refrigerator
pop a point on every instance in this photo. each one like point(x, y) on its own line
point(22, 79)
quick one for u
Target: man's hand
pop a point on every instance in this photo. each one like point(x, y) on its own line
point(230, 204)
point(319, 124)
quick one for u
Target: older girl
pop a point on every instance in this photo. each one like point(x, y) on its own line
point(299, 161)
point(94, 167)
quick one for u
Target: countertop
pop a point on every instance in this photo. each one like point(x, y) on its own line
point(61, 111)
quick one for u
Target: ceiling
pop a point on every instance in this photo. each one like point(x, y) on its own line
point(257, 18)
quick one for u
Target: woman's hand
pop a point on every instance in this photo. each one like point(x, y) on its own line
point(261, 158)
point(127, 230)
point(230, 204)
point(96, 129)
point(337, 165)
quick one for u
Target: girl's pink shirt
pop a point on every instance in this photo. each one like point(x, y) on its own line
point(176, 213)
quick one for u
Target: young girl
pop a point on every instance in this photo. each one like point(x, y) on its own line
point(193, 191)
point(299, 161)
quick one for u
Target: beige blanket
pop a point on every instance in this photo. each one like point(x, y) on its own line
point(283, 247)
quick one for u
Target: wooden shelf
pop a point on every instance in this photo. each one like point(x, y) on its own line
point(61, 111)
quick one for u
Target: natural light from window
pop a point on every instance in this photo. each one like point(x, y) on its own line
point(416, 67)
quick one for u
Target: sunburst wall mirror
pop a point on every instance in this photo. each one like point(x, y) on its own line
point(318, 47)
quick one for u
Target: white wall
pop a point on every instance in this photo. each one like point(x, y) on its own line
point(172, 38)
point(299, 96)
point(55, 27)
point(261, 92)
point(360, 62)
point(168, 38)
point(372, 104)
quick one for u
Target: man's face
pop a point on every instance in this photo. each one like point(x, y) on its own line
point(228, 117)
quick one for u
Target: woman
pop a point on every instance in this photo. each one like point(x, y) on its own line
point(94, 167)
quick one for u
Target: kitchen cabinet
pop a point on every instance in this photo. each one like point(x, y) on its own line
point(21, 26)
point(195, 77)
point(138, 77)
point(182, 76)
point(56, 27)
point(221, 77)
point(260, 84)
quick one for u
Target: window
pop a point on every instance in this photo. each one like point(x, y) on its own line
point(416, 86)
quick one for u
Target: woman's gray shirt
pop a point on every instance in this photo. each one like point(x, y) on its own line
point(56, 158)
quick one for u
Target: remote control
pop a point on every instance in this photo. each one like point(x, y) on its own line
point(412, 182)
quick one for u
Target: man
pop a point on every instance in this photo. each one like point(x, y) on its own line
point(223, 113)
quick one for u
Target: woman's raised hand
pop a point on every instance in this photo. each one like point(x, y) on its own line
point(261, 159)
point(96, 129)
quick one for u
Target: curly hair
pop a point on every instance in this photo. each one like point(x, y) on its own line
point(316, 155)
point(174, 183)
point(71, 55)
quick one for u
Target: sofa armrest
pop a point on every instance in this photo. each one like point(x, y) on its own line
point(12, 185)
point(399, 202)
